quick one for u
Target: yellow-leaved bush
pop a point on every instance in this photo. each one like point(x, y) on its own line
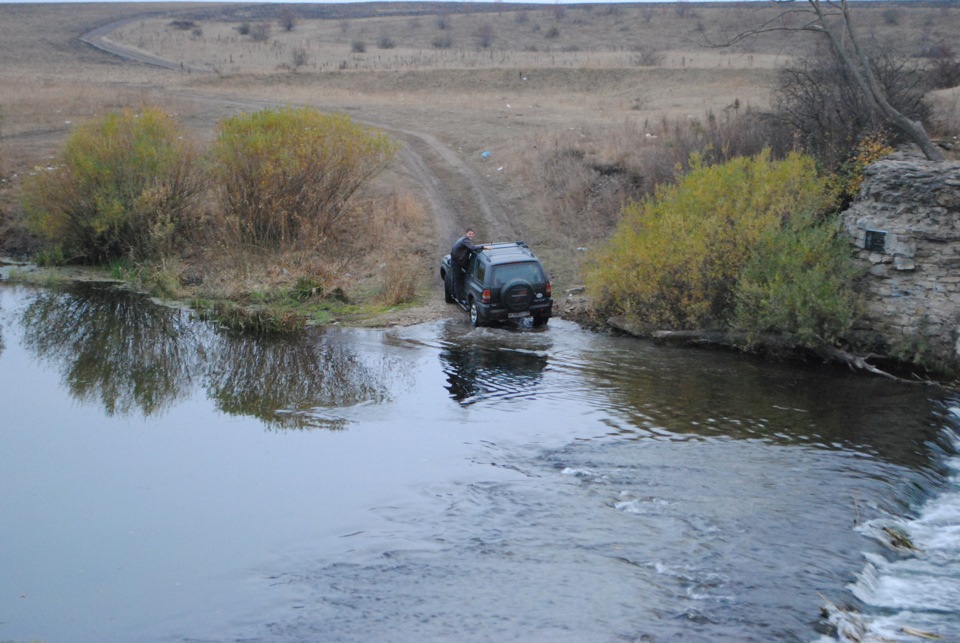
point(123, 187)
point(285, 175)
point(847, 179)
point(676, 258)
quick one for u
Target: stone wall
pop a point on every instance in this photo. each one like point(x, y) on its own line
point(906, 225)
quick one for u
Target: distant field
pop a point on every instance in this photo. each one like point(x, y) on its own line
point(464, 78)
point(563, 64)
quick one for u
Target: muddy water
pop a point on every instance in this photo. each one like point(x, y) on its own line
point(163, 480)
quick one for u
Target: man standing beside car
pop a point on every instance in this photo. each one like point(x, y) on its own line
point(460, 258)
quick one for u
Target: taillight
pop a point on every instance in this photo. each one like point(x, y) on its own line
point(549, 291)
point(485, 296)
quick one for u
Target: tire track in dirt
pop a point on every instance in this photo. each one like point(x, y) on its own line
point(464, 197)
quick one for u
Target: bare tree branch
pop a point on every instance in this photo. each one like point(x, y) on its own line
point(831, 18)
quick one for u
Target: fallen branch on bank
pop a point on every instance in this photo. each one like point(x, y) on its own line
point(855, 362)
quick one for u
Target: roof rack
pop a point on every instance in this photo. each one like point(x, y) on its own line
point(511, 244)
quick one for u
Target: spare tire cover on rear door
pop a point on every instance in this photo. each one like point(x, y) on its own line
point(517, 295)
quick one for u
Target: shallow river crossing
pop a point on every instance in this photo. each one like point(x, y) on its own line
point(164, 481)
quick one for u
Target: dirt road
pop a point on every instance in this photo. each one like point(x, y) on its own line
point(100, 39)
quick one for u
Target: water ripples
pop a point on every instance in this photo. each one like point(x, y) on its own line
point(491, 484)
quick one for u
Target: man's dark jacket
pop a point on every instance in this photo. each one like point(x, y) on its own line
point(461, 251)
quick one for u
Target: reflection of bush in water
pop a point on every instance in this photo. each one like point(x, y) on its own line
point(282, 380)
point(126, 353)
point(113, 347)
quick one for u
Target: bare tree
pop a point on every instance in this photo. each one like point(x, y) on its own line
point(831, 19)
point(300, 57)
point(287, 19)
point(260, 32)
point(484, 35)
point(817, 98)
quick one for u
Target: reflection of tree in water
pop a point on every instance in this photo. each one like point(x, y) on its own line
point(482, 370)
point(123, 351)
point(284, 380)
point(113, 347)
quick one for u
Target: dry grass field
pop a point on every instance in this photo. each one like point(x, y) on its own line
point(449, 81)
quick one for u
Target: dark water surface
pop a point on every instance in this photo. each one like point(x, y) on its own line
point(164, 481)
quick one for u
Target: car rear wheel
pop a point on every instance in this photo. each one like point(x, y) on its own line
point(540, 320)
point(475, 318)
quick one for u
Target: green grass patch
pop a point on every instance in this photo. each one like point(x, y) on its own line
point(259, 320)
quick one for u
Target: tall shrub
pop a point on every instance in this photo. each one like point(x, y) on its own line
point(800, 280)
point(675, 258)
point(285, 176)
point(122, 187)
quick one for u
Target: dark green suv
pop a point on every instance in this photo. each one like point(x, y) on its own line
point(507, 282)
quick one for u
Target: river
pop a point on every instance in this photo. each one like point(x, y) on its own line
point(164, 480)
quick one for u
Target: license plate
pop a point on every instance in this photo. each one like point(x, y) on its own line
point(525, 313)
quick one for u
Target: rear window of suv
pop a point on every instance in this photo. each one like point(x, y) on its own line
point(528, 271)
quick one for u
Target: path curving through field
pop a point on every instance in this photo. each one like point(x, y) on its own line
point(456, 195)
point(99, 39)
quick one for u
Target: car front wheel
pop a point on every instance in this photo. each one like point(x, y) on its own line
point(448, 287)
